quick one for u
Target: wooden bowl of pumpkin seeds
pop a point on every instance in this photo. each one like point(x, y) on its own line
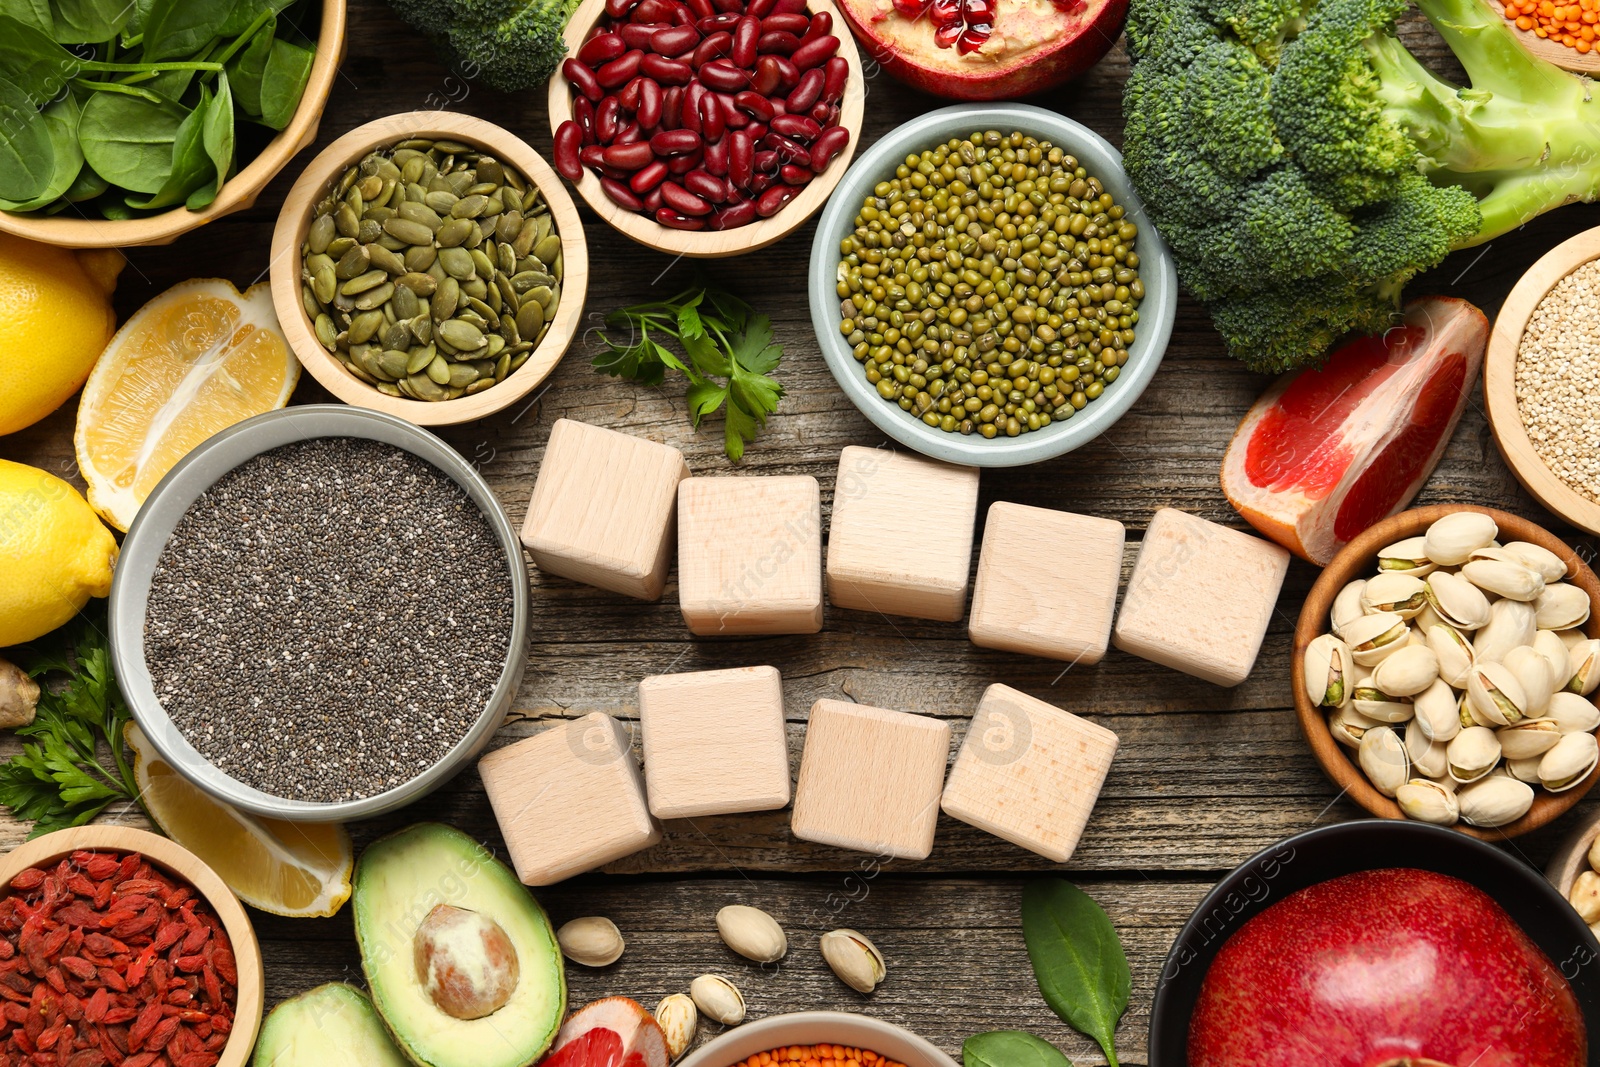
point(429, 265)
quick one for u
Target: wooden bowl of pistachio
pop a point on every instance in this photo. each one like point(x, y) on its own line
point(429, 265)
point(1444, 670)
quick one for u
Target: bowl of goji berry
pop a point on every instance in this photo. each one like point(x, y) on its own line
point(119, 946)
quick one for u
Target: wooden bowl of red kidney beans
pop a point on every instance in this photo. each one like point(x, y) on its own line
point(119, 946)
point(706, 127)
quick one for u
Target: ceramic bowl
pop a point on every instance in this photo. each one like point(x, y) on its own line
point(818, 1028)
point(708, 244)
point(295, 219)
point(1358, 560)
point(238, 192)
point(1155, 269)
point(1368, 844)
point(185, 865)
point(171, 499)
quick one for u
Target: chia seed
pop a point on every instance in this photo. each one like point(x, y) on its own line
point(329, 619)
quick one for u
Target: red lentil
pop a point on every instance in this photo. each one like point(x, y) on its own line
point(818, 1056)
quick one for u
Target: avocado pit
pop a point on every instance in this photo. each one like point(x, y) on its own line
point(465, 961)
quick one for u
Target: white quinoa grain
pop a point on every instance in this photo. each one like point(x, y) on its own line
point(1558, 380)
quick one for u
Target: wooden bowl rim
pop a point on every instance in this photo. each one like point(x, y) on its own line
point(1353, 561)
point(294, 219)
point(167, 853)
point(238, 193)
point(714, 244)
point(1557, 53)
point(1571, 857)
point(1499, 380)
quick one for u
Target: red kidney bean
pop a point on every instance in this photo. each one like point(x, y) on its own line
point(824, 114)
point(583, 115)
point(795, 127)
point(827, 145)
point(628, 97)
point(582, 79)
point(653, 201)
point(734, 6)
point(607, 120)
point(790, 7)
point(754, 103)
point(712, 121)
point(667, 71)
point(629, 156)
point(618, 8)
point(724, 20)
point(601, 48)
point(731, 115)
point(668, 217)
point(789, 151)
point(682, 200)
point(681, 165)
point(713, 47)
point(716, 158)
point(741, 159)
point(741, 214)
point(674, 40)
point(674, 142)
point(767, 76)
point(772, 201)
point(630, 134)
point(812, 53)
point(621, 194)
point(619, 70)
point(652, 11)
point(568, 142)
point(789, 74)
point(648, 177)
point(795, 24)
point(745, 33)
point(835, 73)
point(723, 76)
point(761, 183)
point(592, 155)
point(649, 112)
point(682, 16)
point(777, 43)
point(767, 161)
point(756, 130)
point(821, 26)
point(689, 117)
point(807, 92)
point(613, 173)
point(760, 8)
point(793, 175)
point(672, 108)
point(707, 187)
point(636, 36)
point(702, 8)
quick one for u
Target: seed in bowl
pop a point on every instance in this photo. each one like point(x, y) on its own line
point(818, 1056)
point(990, 286)
point(1557, 378)
point(431, 270)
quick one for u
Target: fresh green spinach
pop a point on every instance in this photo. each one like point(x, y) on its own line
point(71, 21)
point(1010, 1048)
point(61, 123)
point(128, 140)
point(248, 66)
point(283, 81)
point(189, 167)
point(182, 27)
point(217, 136)
point(1077, 959)
point(27, 158)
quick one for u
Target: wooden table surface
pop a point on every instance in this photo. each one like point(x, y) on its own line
point(1204, 776)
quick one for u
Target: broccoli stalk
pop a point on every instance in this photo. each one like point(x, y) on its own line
point(1304, 165)
point(505, 44)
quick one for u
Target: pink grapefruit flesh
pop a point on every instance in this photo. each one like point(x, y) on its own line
point(614, 1032)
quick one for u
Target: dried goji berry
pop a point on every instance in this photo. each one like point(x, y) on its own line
point(27, 880)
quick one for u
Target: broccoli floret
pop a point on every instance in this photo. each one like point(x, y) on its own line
point(505, 44)
point(1304, 166)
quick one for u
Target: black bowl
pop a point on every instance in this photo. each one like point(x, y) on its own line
point(1368, 844)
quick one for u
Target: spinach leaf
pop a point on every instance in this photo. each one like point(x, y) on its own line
point(87, 186)
point(71, 21)
point(128, 140)
point(33, 62)
point(1077, 959)
point(176, 28)
point(216, 134)
point(246, 68)
point(27, 157)
point(246, 12)
point(283, 81)
point(190, 166)
point(1010, 1048)
point(61, 122)
point(35, 13)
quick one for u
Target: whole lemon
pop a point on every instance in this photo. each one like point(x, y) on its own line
point(55, 320)
point(55, 553)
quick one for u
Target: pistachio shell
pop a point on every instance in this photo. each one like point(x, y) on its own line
point(1383, 760)
point(1573, 713)
point(1348, 726)
point(1407, 672)
point(1495, 694)
point(1549, 645)
point(1325, 668)
point(1550, 567)
point(854, 958)
point(1425, 800)
point(593, 941)
point(1528, 738)
point(1561, 607)
point(1569, 762)
point(1503, 578)
point(1396, 591)
point(1428, 757)
point(1374, 703)
point(1583, 667)
point(752, 933)
point(1457, 601)
point(1524, 770)
point(1347, 606)
point(1494, 801)
point(1452, 651)
point(1532, 671)
point(1410, 556)
point(1436, 714)
point(718, 998)
point(1374, 638)
point(1450, 540)
point(1472, 754)
point(1594, 853)
point(1511, 623)
point(678, 1018)
point(1584, 896)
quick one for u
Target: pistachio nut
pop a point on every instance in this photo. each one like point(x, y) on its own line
point(1569, 762)
point(1374, 703)
point(593, 941)
point(1326, 668)
point(1583, 667)
point(1425, 800)
point(1452, 651)
point(1374, 638)
point(752, 933)
point(1436, 713)
point(1467, 716)
point(1528, 665)
point(678, 1018)
point(1407, 672)
point(1503, 578)
point(718, 999)
point(1347, 606)
point(1524, 770)
point(1548, 565)
point(1493, 551)
point(1494, 801)
point(854, 958)
point(1383, 759)
point(1396, 591)
point(1409, 556)
point(1450, 541)
point(1348, 726)
point(1428, 757)
point(1594, 853)
point(1585, 896)
point(1511, 623)
point(1548, 643)
point(1495, 695)
point(1472, 754)
point(1528, 738)
point(1457, 601)
point(1573, 713)
point(1560, 607)
point(1417, 639)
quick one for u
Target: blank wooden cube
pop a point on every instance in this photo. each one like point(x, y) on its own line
point(750, 555)
point(569, 799)
point(602, 509)
point(1200, 597)
point(1029, 772)
point(884, 553)
point(1047, 583)
point(870, 779)
point(714, 742)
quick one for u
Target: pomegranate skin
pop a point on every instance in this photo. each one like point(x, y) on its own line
point(1385, 968)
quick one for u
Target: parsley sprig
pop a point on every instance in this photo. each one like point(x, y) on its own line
point(729, 356)
point(60, 779)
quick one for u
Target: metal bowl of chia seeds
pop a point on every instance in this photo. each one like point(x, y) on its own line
point(320, 614)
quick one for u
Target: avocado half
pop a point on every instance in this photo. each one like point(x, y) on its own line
point(461, 959)
point(331, 1024)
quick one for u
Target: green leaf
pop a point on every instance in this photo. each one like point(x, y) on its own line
point(27, 154)
point(129, 140)
point(217, 136)
point(704, 399)
point(738, 426)
point(247, 67)
point(1077, 959)
point(61, 121)
point(283, 81)
point(1010, 1048)
point(189, 167)
point(175, 28)
point(71, 21)
point(86, 186)
point(705, 355)
point(34, 63)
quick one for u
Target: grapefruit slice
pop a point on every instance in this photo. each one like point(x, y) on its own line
point(1327, 452)
point(614, 1032)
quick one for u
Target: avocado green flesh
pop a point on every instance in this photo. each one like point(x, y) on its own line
point(398, 882)
point(332, 1024)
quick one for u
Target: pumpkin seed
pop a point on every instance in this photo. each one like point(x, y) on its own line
point(352, 263)
point(530, 320)
point(421, 213)
point(393, 363)
point(457, 262)
point(412, 233)
point(439, 371)
point(385, 258)
point(419, 359)
point(364, 326)
point(480, 385)
point(406, 304)
point(454, 233)
point(446, 299)
point(320, 234)
point(362, 282)
point(375, 298)
point(388, 389)
point(327, 332)
point(461, 335)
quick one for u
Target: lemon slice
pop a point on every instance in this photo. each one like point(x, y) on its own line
point(286, 868)
point(194, 360)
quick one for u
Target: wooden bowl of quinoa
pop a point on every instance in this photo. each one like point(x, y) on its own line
point(1541, 377)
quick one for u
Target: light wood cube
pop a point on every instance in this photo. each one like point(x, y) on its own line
point(884, 554)
point(1029, 772)
point(714, 742)
point(602, 509)
point(1047, 583)
point(569, 799)
point(1200, 597)
point(750, 555)
point(870, 779)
